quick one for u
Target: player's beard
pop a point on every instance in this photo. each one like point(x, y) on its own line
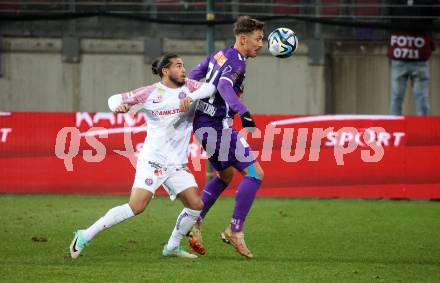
point(176, 81)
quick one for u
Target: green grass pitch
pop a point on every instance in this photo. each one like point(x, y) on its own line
point(293, 240)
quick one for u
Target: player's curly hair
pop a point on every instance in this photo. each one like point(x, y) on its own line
point(162, 62)
point(246, 24)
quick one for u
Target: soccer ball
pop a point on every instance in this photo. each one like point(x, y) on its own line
point(282, 42)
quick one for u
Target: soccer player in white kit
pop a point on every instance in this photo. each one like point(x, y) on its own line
point(164, 156)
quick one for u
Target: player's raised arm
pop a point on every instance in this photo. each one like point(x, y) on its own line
point(199, 71)
point(226, 90)
point(198, 91)
point(123, 101)
point(228, 93)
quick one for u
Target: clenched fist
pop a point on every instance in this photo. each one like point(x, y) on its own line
point(184, 104)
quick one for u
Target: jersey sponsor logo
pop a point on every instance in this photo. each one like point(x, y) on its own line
point(206, 108)
point(165, 112)
point(154, 165)
point(220, 58)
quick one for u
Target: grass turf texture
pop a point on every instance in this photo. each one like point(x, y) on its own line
point(293, 240)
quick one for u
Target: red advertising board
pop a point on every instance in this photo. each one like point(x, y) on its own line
point(366, 156)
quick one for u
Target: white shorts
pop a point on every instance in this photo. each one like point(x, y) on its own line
point(175, 179)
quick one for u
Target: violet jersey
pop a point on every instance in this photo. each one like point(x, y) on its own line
point(223, 66)
point(168, 129)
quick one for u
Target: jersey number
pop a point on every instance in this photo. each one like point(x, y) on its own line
point(210, 77)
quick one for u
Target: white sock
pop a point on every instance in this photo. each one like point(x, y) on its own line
point(187, 218)
point(113, 216)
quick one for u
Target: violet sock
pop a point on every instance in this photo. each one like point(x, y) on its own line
point(244, 198)
point(211, 193)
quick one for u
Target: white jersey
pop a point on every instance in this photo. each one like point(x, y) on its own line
point(168, 129)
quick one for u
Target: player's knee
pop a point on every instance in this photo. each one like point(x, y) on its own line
point(226, 179)
point(137, 207)
point(226, 176)
point(194, 205)
point(138, 210)
point(198, 205)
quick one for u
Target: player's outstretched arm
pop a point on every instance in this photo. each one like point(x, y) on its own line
point(228, 93)
point(122, 102)
point(205, 90)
